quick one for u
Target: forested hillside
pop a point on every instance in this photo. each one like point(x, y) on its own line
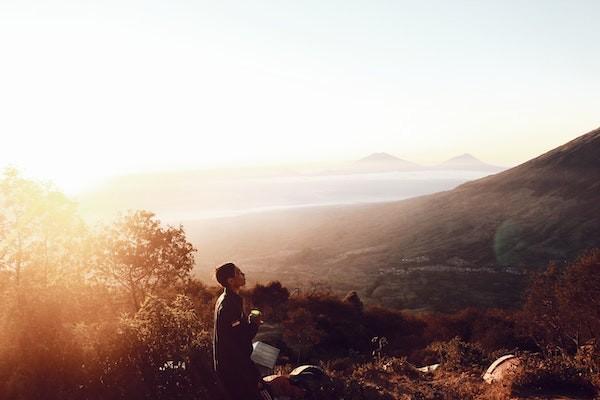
point(114, 312)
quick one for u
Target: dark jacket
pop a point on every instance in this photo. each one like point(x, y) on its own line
point(232, 344)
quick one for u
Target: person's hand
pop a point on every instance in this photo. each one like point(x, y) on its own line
point(254, 317)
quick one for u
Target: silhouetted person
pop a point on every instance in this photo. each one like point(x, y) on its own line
point(232, 340)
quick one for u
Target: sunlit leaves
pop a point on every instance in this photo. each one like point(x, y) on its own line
point(42, 237)
point(137, 254)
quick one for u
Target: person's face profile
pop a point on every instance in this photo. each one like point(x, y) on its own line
point(240, 276)
point(238, 279)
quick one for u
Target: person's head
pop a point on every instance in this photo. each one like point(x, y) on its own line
point(230, 276)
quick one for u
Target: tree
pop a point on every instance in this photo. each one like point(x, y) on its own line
point(300, 331)
point(152, 354)
point(540, 311)
point(271, 298)
point(168, 331)
point(578, 296)
point(563, 305)
point(41, 233)
point(354, 300)
point(140, 256)
point(20, 211)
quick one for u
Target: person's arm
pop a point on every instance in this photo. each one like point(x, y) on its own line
point(238, 330)
point(251, 328)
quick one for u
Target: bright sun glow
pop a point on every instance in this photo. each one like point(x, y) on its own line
point(91, 90)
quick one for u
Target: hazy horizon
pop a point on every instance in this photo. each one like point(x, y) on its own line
point(180, 198)
point(324, 167)
point(98, 89)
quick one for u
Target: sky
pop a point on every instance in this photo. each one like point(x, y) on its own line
point(90, 89)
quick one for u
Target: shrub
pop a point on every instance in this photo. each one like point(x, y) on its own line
point(456, 355)
point(562, 305)
point(399, 366)
point(271, 299)
point(554, 375)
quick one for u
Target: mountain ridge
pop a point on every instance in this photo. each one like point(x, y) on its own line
point(544, 210)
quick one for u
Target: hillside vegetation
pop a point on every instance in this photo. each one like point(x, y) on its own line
point(114, 313)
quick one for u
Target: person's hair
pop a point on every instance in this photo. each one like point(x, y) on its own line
point(225, 272)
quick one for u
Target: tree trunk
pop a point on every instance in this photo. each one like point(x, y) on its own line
point(136, 302)
point(18, 261)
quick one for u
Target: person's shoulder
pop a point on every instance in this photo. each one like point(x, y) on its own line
point(221, 297)
point(221, 300)
point(231, 298)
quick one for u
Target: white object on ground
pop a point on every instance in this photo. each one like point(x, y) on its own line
point(499, 368)
point(428, 368)
point(264, 355)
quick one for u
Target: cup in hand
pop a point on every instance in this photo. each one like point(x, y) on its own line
point(254, 316)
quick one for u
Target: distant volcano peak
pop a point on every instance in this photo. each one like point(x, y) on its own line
point(469, 162)
point(466, 156)
point(383, 162)
point(378, 157)
point(463, 158)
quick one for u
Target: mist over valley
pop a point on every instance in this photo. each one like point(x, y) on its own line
point(178, 197)
point(405, 236)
